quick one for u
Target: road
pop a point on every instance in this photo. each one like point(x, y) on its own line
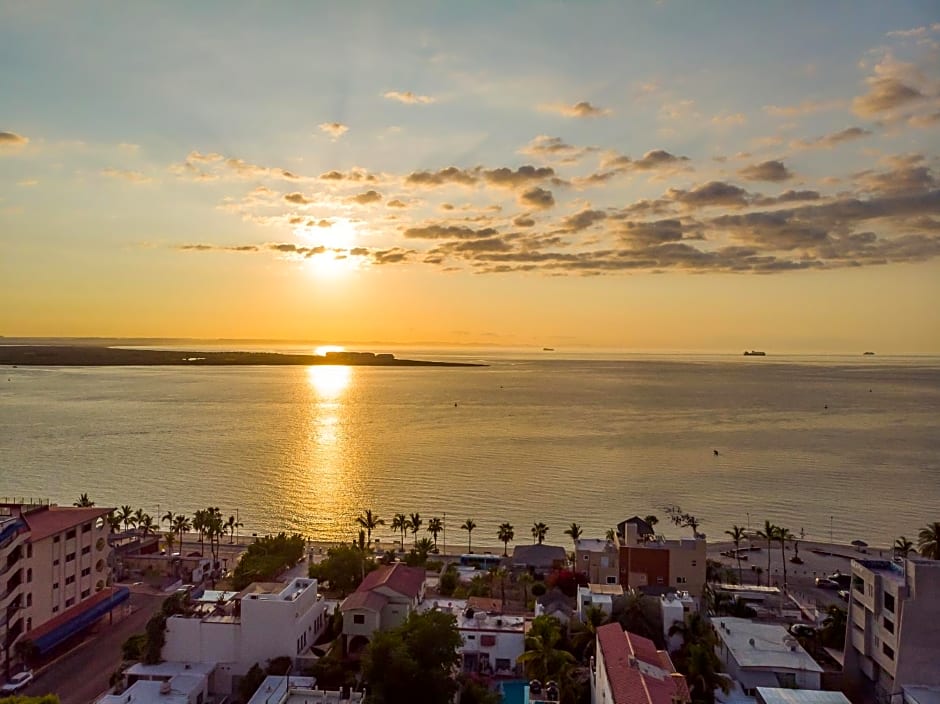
point(83, 673)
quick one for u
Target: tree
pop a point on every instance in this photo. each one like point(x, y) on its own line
point(683, 519)
point(574, 532)
point(769, 533)
point(266, 558)
point(199, 525)
point(370, 522)
point(611, 534)
point(701, 668)
point(928, 541)
point(539, 531)
point(23, 699)
point(181, 525)
point(231, 526)
point(26, 651)
point(413, 663)
point(167, 518)
point(469, 525)
point(435, 526)
point(114, 522)
point(126, 514)
point(639, 614)
point(84, 501)
point(832, 632)
point(146, 524)
point(170, 539)
point(584, 633)
point(783, 535)
point(903, 547)
point(737, 534)
point(472, 691)
point(343, 567)
point(249, 684)
point(651, 519)
point(505, 533)
point(400, 523)
point(414, 524)
point(543, 659)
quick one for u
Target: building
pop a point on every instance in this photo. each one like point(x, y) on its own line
point(659, 565)
point(892, 638)
point(777, 695)
point(640, 526)
point(600, 595)
point(300, 690)
point(492, 642)
point(764, 655)
point(262, 622)
point(165, 683)
point(628, 669)
point(675, 606)
point(539, 558)
point(382, 601)
point(55, 573)
point(598, 559)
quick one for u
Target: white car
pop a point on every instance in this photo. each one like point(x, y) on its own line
point(17, 682)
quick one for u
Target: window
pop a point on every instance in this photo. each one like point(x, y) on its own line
point(29, 550)
point(611, 579)
point(587, 557)
point(659, 580)
point(70, 602)
point(70, 534)
point(86, 528)
point(359, 618)
point(56, 539)
point(503, 664)
point(889, 602)
point(70, 557)
point(86, 593)
point(55, 609)
point(55, 562)
point(471, 637)
point(86, 571)
point(887, 650)
point(29, 599)
point(681, 580)
point(888, 625)
point(86, 550)
point(694, 562)
point(70, 580)
point(29, 575)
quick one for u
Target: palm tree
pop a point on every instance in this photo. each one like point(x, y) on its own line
point(167, 518)
point(702, 668)
point(525, 579)
point(783, 535)
point(928, 541)
point(542, 659)
point(199, 523)
point(400, 523)
point(584, 633)
point(126, 514)
point(146, 524)
point(114, 522)
point(138, 517)
point(231, 526)
point(414, 523)
point(505, 533)
point(181, 525)
point(170, 539)
point(370, 522)
point(651, 519)
point(903, 547)
point(423, 547)
point(468, 525)
point(769, 534)
point(539, 531)
point(435, 526)
point(500, 574)
point(574, 530)
point(737, 534)
point(84, 502)
point(611, 534)
point(833, 627)
point(634, 611)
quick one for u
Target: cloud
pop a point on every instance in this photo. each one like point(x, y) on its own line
point(408, 97)
point(297, 198)
point(726, 119)
point(351, 175)
point(807, 107)
point(218, 248)
point(200, 158)
point(916, 32)
point(582, 109)
point(28, 182)
point(828, 141)
point(656, 232)
point(334, 129)
point(125, 175)
point(554, 148)
point(12, 140)
point(537, 198)
point(710, 194)
point(523, 221)
point(907, 178)
point(582, 220)
point(766, 171)
point(365, 198)
point(884, 94)
point(928, 120)
point(524, 175)
point(435, 231)
point(652, 160)
point(396, 203)
point(451, 174)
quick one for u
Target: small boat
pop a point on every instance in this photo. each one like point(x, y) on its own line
point(754, 353)
point(868, 354)
point(548, 349)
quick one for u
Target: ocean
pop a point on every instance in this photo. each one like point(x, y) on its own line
point(840, 446)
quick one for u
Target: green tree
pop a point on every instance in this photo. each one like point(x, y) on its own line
point(435, 526)
point(783, 535)
point(469, 525)
point(414, 525)
point(370, 521)
point(652, 520)
point(181, 526)
point(505, 533)
point(903, 547)
point(769, 533)
point(167, 518)
point(539, 531)
point(928, 541)
point(23, 699)
point(84, 501)
point(267, 557)
point(114, 522)
point(400, 523)
point(249, 684)
point(737, 534)
point(414, 662)
point(611, 534)
point(474, 692)
point(231, 527)
point(343, 567)
point(126, 514)
point(702, 669)
point(832, 632)
point(584, 633)
point(543, 658)
point(574, 532)
point(639, 614)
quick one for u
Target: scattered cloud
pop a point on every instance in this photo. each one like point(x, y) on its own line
point(807, 107)
point(28, 182)
point(524, 175)
point(12, 140)
point(710, 194)
point(766, 171)
point(884, 94)
point(408, 97)
point(537, 198)
point(297, 198)
point(436, 231)
point(365, 198)
point(828, 141)
point(334, 129)
point(523, 221)
point(554, 149)
point(582, 109)
point(126, 175)
point(396, 203)
point(451, 174)
point(728, 120)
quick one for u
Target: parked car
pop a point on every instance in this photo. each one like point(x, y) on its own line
point(843, 580)
point(802, 630)
point(17, 682)
point(826, 583)
point(844, 594)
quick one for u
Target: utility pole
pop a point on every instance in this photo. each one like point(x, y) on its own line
point(830, 529)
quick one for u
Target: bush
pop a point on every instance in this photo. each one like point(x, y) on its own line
point(279, 665)
point(538, 589)
point(448, 582)
point(568, 581)
point(266, 558)
point(249, 684)
point(133, 648)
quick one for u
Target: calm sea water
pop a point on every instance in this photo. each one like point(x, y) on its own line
point(547, 439)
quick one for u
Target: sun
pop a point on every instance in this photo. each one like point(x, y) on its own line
point(323, 349)
point(338, 239)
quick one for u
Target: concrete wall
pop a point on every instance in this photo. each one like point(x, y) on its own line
point(918, 654)
point(372, 622)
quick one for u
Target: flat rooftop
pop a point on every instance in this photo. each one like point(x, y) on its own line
point(593, 544)
point(607, 589)
point(166, 669)
point(885, 568)
point(922, 695)
point(778, 695)
point(274, 690)
point(762, 645)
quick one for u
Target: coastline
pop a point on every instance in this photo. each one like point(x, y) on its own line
point(92, 356)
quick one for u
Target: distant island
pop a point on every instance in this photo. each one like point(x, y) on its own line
point(91, 356)
point(754, 353)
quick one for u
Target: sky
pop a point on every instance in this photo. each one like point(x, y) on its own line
point(672, 176)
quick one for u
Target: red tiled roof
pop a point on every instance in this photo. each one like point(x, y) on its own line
point(56, 519)
point(68, 614)
point(364, 600)
point(399, 578)
point(631, 683)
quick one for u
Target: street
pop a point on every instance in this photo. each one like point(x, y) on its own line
point(83, 673)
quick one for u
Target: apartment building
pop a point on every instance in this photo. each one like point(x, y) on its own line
point(658, 565)
point(892, 638)
point(628, 669)
point(598, 559)
point(55, 573)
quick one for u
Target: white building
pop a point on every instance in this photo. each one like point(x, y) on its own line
point(675, 607)
point(260, 623)
point(600, 595)
point(764, 655)
point(300, 690)
point(382, 601)
point(892, 636)
point(777, 695)
point(165, 683)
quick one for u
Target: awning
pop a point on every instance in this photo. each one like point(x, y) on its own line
point(59, 629)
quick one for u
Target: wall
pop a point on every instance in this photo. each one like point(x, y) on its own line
point(918, 634)
point(653, 563)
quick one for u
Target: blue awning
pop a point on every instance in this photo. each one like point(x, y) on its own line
point(67, 629)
